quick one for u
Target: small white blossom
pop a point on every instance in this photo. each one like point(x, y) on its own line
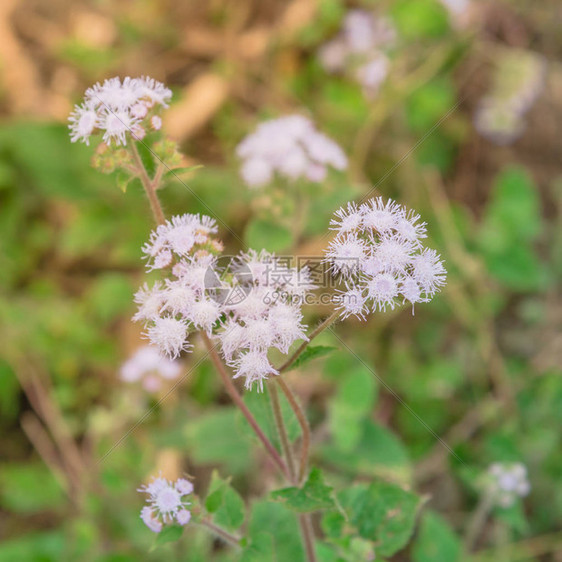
point(290, 146)
point(379, 253)
point(166, 503)
point(169, 334)
point(255, 367)
point(148, 366)
point(507, 482)
point(359, 50)
point(119, 108)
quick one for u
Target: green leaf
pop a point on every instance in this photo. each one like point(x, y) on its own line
point(260, 406)
point(436, 542)
point(260, 549)
point(29, 488)
point(314, 495)
point(378, 453)
point(170, 533)
point(281, 524)
point(429, 103)
point(310, 353)
point(225, 503)
point(215, 437)
point(420, 18)
point(268, 235)
point(381, 512)
point(333, 523)
point(353, 402)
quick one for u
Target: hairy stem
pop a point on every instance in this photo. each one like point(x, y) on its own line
point(308, 536)
point(282, 431)
point(237, 399)
point(320, 328)
point(150, 186)
point(303, 422)
point(224, 535)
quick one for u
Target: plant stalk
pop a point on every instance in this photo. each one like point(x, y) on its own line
point(282, 431)
point(224, 535)
point(320, 328)
point(150, 186)
point(308, 536)
point(237, 399)
point(303, 422)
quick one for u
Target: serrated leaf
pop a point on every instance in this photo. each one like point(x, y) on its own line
point(310, 353)
point(381, 512)
point(170, 533)
point(314, 495)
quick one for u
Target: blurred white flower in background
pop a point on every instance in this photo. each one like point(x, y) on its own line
point(507, 482)
point(150, 368)
point(291, 147)
point(360, 50)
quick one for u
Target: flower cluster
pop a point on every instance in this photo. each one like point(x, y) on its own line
point(166, 503)
point(360, 49)
point(518, 81)
point(379, 254)
point(251, 306)
point(149, 367)
point(290, 146)
point(180, 304)
point(118, 108)
point(507, 482)
point(268, 316)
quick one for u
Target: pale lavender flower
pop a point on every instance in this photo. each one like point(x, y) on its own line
point(291, 147)
point(166, 503)
point(118, 109)
point(360, 50)
point(379, 253)
point(149, 367)
point(506, 482)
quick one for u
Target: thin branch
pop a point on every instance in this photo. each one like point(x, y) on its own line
point(308, 536)
point(224, 535)
point(282, 431)
point(303, 422)
point(150, 186)
point(320, 328)
point(237, 399)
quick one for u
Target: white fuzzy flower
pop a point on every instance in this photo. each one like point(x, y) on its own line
point(255, 367)
point(345, 253)
point(291, 147)
point(379, 253)
point(83, 120)
point(506, 482)
point(150, 301)
point(179, 236)
point(119, 109)
point(166, 503)
point(352, 302)
point(148, 366)
point(169, 335)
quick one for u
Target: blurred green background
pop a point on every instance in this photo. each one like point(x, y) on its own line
point(480, 365)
